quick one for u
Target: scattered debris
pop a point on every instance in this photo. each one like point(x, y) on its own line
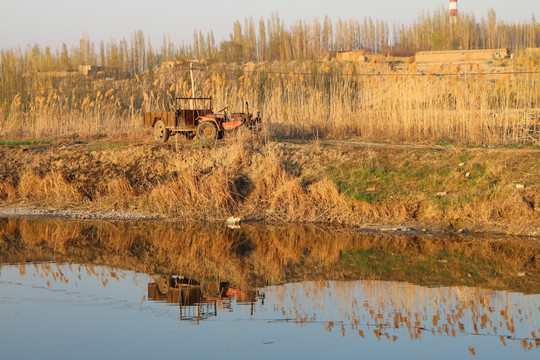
point(520, 186)
point(467, 174)
point(233, 222)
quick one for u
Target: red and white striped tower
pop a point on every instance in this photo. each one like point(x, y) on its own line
point(453, 9)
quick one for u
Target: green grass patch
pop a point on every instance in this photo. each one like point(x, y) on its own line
point(106, 145)
point(522, 146)
point(443, 181)
point(444, 142)
point(26, 142)
point(372, 184)
point(375, 184)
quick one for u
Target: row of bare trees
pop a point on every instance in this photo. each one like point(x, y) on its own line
point(270, 39)
point(438, 32)
point(267, 40)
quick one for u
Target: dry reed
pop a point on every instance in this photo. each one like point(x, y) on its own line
point(281, 183)
point(310, 99)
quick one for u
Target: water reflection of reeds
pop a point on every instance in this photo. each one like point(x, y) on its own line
point(383, 309)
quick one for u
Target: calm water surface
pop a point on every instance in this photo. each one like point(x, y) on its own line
point(65, 310)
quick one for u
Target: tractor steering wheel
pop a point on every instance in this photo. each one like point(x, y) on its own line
point(225, 108)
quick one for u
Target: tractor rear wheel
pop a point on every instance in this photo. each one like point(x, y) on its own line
point(207, 131)
point(161, 133)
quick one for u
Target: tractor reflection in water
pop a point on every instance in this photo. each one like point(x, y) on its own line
point(198, 301)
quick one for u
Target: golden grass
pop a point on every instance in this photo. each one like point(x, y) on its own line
point(205, 195)
point(274, 182)
point(309, 99)
point(7, 191)
point(52, 188)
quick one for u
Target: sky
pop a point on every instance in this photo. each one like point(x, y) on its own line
point(53, 22)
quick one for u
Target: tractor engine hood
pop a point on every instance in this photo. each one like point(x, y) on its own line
point(213, 117)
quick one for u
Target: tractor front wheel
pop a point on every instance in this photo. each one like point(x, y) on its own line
point(207, 131)
point(161, 133)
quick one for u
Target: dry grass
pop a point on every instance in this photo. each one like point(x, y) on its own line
point(274, 182)
point(309, 99)
point(52, 188)
point(196, 195)
point(7, 191)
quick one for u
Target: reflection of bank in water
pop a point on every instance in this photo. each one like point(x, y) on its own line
point(199, 300)
point(262, 254)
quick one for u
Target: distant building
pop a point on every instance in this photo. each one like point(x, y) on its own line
point(453, 9)
point(352, 55)
point(102, 72)
point(461, 55)
point(89, 70)
point(170, 64)
point(325, 55)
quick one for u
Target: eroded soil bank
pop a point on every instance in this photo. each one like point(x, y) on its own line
point(382, 187)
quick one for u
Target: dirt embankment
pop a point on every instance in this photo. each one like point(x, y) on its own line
point(431, 188)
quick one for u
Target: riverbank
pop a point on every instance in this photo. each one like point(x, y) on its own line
point(384, 187)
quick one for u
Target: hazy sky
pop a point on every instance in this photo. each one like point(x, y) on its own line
point(52, 22)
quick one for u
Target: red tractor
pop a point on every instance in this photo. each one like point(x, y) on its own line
point(194, 117)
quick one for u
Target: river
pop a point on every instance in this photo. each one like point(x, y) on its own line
point(91, 290)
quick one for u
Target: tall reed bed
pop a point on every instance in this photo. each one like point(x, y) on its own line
point(347, 100)
point(468, 104)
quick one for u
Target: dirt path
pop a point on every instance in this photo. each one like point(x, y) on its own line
point(366, 144)
point(323, 142)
